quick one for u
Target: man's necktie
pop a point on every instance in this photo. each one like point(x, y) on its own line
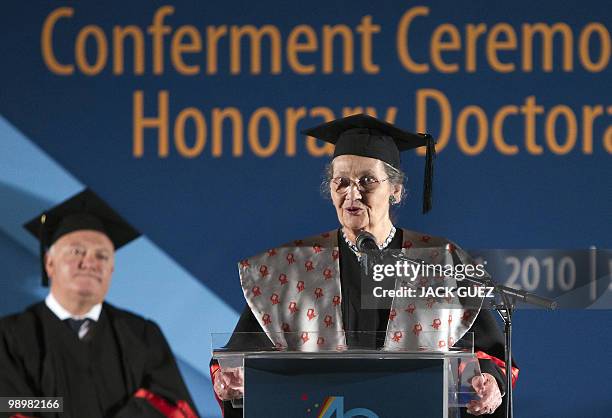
point(79, 326)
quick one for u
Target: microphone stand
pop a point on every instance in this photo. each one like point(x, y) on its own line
point(509, 297)
point(506, 309)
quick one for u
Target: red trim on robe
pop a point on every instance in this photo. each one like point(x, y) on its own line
point(180, 410)
point(214, 368)
point(501, 364)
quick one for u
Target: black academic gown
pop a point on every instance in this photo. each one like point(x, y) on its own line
point(97, 376)
point(487, 335)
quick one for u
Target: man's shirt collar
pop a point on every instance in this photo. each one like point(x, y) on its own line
point(62, 313)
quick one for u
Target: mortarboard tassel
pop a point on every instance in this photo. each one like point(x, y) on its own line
point(43, 243)
point(430, 154)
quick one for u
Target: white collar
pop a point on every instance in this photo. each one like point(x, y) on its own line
point(62, 313)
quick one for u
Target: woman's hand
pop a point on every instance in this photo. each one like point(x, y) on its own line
point(490, 396)
point(229, 383)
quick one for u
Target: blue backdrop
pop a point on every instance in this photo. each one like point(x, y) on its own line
point(185, 117)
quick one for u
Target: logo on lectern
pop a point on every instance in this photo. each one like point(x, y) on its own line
point(333, 407)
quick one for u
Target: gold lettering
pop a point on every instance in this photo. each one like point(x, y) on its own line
point(391, 114)
point(530, 110)
point(179, 48)
point(348, 111)
point(498, 130)
point(179, 132)
point(236, 34)
point(607, 140)
point(81, 50)
point(312, 147)
point(273, 122)
point(604, 53)
point(483, 128)
point(472, 34)
point(366, 29)
point(547, 33)
point(294, 47)
point(119, 35)
point(160, 123)
point(437, 45)
point(213, 34)
point(402, 40)
point(218, 117)
point(589, 114)
point(571, 129)
point(158, 30)
point(446, 115)
point(292, 117)
point(329, 33)
point(46, 41)
point(494, 44)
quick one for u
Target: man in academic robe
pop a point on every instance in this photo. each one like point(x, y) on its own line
point(103, 361)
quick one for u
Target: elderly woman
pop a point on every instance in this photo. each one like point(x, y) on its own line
point(306, 295)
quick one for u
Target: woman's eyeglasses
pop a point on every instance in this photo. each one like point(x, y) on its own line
point(364, 184)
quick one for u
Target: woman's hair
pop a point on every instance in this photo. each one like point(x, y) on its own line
point(396, 178)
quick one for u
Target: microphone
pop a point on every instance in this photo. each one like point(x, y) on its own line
point(366, 242)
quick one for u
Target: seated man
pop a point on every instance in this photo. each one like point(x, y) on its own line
point(103, 361)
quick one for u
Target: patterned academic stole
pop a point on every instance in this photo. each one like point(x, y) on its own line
point(294, 292)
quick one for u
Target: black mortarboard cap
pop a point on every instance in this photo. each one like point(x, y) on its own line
point(83, 211)
point(367, 136)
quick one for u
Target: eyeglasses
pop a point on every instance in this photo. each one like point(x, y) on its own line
point(364, 184)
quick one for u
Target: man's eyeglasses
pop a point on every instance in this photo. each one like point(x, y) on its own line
point(364, 184)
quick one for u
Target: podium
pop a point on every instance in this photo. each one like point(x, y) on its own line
point(349, 380)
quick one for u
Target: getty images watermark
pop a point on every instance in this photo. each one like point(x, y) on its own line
point(426, 280)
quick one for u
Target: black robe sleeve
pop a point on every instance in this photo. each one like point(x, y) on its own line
point(13, 380)
point(161, 376)
point(248, 333)
point(489, 339)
